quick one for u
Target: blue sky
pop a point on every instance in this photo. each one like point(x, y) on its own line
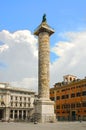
point(67, 17)
point(62, 15)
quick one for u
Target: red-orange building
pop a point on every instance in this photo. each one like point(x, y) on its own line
point(70, 98)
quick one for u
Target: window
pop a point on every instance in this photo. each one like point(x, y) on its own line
point(20, 104)
point(28, 99)
point(58, 107)
point(11, 111)
point(52, 98)
point(11, 103)
point(68, 89)
point(58, 97)
point(84, 93)
point(11, 97)
point(24, 104)
point(63, 96)
point(72, 105)
point(70, 79)
point(28, 104)
point(78, 86)
point(65, 106)
point(84, 104)
point(78, 104)
point(52, 92)
point(58, 112)
point(24, 98)
point(67, 96)
point(72, 95)
point(78, 94)
point(63, 90)
point(16, 104)
point(20, 98)
point(11, 114)
point(73, 88)
point(15, 98)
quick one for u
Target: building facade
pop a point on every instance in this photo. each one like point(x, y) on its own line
point(70, 98)
point(16, 103)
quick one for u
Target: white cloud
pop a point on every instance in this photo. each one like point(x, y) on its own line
point(18, 55)
point(19, 60)
point(3, 48)
point(72, 57)
point(30, 83)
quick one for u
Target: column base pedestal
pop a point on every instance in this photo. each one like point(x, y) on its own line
point(44, 111)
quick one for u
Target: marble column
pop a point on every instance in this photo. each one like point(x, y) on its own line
point(22, 114)
point(13, 114)
point(18, 114)
point(44, 107)
point(44, 51)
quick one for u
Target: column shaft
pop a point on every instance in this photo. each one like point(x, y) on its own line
point(44, 55)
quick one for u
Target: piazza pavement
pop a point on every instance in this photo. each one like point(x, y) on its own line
point(43, 126)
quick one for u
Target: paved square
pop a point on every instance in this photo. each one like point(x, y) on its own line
point(47, 126)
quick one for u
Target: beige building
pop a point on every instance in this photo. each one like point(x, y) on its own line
point(16, 103)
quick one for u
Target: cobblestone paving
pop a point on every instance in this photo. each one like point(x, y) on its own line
point(47, 126)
